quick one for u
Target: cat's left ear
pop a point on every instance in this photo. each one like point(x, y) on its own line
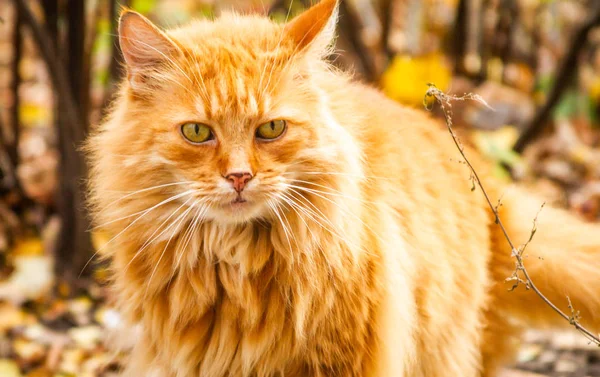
point(144, 46)
point(315, 28)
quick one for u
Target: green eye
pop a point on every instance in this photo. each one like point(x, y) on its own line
point(271, 130)
point(196, 132)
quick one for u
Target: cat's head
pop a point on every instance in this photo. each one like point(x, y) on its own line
point(227, 116)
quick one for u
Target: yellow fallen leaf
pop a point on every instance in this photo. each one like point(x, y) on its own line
point(28, 246)
point(407, 77)
point(80, 305)
point(33, 114)
point(86, 337)
point(581, 154)
point(33, 278)
point(10, 316)
point(595, 89)
point(40, 372)
point(102, 274)
point(502, 138)
point(71, 361)
point(28, 350)
point(9, 368)
point(99, 239)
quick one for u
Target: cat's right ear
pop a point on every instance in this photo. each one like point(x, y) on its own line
point(143, 45)
point(314, 29)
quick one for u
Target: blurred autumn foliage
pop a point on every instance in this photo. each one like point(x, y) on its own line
point(536, 62)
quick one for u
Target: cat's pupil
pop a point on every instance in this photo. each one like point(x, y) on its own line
point(272, 125)
point(197, 128)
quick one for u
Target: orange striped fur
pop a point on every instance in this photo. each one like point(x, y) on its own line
point(360, 249)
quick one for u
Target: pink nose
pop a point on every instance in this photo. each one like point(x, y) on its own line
point(239, 180)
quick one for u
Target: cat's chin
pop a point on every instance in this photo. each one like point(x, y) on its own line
point(237, 212)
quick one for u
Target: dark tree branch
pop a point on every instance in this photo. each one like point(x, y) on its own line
point(511, 17)
point(77, 71)
point(467, 41)
point(51, 18)
point(386, 25)
point(564, 77)
point(57, 72)
point(459, 34)
point(349, 26)
point(12, 146)
point(115, 68)
point(8, 177)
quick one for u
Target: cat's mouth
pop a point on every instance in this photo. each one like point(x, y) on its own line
point(239, 200)
point(238, 209)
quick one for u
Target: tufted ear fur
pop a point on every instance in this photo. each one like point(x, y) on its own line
point(315, 28)
point(143, 44)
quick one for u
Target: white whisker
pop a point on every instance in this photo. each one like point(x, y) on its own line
point(340, 208)
point(178, 221)
point(131, 193)
point(168, 200)
point(152, 237)
point(195, 223)
point(334, 193)
point(271, 204)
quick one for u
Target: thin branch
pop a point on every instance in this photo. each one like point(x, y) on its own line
point(445, 102)
point(564, 77)
point(350, 25)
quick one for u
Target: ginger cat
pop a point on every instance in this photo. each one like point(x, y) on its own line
point(274, 218)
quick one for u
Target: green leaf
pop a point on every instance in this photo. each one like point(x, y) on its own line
point(567, 106)
point(143, 6)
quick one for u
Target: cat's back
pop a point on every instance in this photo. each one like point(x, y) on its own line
point(413, 166)
point(405, 145)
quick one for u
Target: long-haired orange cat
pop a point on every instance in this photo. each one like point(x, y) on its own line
point(271, 217)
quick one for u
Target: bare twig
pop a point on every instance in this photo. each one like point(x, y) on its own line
point(433, 93)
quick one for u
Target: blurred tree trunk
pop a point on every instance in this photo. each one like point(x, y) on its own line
point(70, 78)
point(74, 247)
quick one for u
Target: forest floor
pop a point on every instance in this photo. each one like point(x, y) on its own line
point(62, 334)
point(62, 337)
